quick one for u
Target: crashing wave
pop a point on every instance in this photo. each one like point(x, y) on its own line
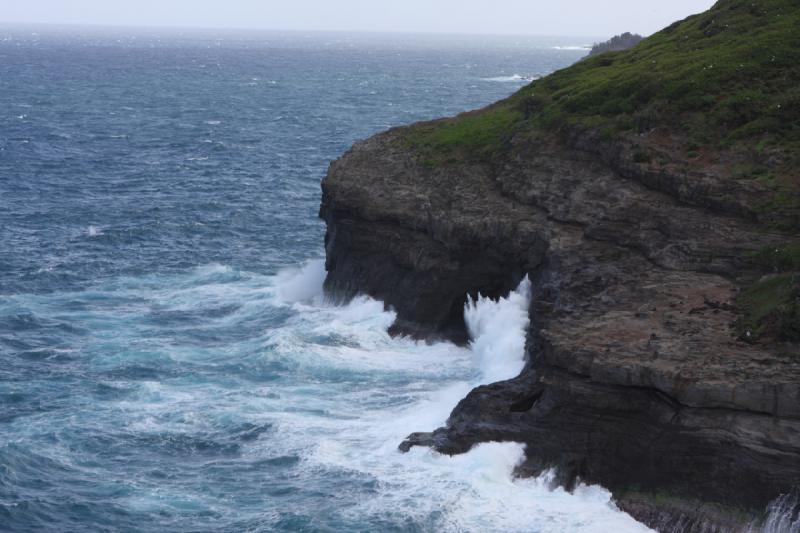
point(511, 79)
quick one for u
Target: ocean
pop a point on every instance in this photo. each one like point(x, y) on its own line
point(168, 361)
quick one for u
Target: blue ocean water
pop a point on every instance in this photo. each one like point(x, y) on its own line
point(167, 360)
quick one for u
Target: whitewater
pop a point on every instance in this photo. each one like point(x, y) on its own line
point(474, 492)
point(320, 403)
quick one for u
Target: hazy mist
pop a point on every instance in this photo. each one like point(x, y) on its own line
point(565, 17)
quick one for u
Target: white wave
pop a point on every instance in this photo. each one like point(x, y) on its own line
point(301, 284)
point(346, 396)
point(783, 515)
point(475, 491)
point(514, 78)
point(513, 502)
point(212, 122)
point(574, 47)
point(212, 269)
point(94, 231)
point(497, 329)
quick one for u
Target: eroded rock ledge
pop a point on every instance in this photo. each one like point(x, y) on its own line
point(635, 378)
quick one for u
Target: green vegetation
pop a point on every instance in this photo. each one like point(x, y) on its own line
point(771, 308)
point(782, 259)
point(722, 86)
point(726, 75)
point(727, 79)
point(479, 135)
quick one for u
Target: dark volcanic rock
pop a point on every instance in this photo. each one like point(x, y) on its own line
point(425, 264)
point(635, 378)
point(617, 43)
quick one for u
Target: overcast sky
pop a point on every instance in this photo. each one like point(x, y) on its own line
point(536, 17)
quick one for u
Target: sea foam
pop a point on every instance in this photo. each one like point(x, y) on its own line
point(408, 386)
point(783, 514)
point(304, 403)
point(303, 283)
point(573, 47)
point(511, 79)
point(497, 329)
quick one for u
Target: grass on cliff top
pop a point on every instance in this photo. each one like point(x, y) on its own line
point(727, 78)
point(736, 68)
point(479, 134)
point(724, 81)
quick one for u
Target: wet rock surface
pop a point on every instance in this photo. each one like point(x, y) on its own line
point(635, 377)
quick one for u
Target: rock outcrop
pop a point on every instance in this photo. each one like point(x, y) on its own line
point(635, 378)
point(640, 375)
point(617, 43)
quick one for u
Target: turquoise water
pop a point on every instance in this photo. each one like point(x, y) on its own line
point(167, 359)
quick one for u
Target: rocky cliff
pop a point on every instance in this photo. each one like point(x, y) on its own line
point(654, 366)
point(617, 43)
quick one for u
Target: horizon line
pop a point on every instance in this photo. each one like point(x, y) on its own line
point(113, 26)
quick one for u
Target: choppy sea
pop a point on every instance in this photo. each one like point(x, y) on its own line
point(167, 359)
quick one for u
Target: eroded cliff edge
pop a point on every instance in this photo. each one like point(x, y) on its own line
point(639, 373)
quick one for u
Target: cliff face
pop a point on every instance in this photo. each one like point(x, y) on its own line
point(635, 378)
point(637, 374)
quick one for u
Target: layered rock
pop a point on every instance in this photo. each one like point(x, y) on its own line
point(635, 377)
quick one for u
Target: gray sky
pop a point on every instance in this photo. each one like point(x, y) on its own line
point(538, 17)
